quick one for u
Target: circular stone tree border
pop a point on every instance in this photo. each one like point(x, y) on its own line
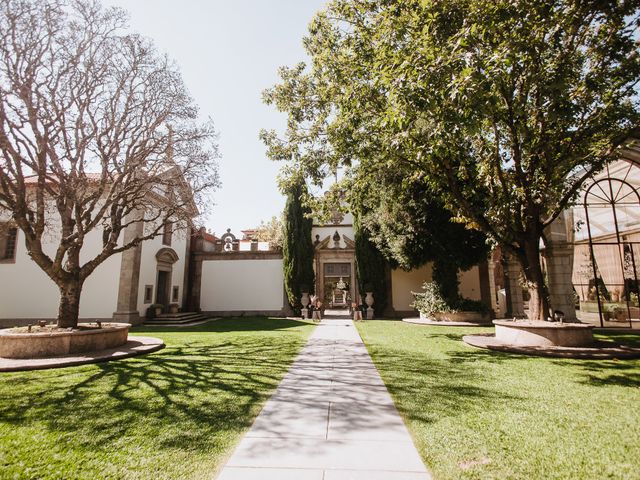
point(597, 350)
point(537, 333)
point(134, 346)
point(88, 337)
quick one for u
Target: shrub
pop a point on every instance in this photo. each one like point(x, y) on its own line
point(431, 301)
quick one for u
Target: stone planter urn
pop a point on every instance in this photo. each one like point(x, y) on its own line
point(173, 308)
point(304, 300)
point(368, 300)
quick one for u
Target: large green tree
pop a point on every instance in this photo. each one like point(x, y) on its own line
point(297, 247)
point(505, 107)
point(408, 224)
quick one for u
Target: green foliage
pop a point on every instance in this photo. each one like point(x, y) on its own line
point(272, 232)
point(297, 248)
point(430, 300)
point(433, 300)
point(503, 108)
point(411, 227)
point(371, 268)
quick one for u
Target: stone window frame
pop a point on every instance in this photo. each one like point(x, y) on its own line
point(148, 294)
point(8, 240)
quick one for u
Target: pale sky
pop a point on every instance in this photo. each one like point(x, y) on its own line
point(228, 52)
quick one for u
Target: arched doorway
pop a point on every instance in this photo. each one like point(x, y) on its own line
point(165, 258)
point(611, 251)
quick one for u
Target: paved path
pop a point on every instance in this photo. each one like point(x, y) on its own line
point(331, 418)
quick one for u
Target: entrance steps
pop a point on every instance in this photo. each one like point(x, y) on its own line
point(337, 314)
point(182, 318)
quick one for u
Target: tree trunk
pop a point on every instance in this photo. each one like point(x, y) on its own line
point(445, 275)
point(532, 268)
point(69, 308)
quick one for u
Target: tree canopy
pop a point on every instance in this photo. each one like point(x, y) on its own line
point(505, 108)
point(270, 231)
point(97, 134)
point(407, 222)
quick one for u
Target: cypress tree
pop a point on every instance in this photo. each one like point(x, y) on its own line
point(297, 248)
point(371, 267)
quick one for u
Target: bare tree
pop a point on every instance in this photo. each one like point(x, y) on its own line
point(97, 133)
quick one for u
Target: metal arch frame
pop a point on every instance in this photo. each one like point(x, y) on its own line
point(612, 203)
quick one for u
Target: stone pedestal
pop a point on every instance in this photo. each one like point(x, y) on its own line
point(515, 302)
point(559, 259)
point(131, 317)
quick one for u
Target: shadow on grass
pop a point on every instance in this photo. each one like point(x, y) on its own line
point(189, 395)
point(235, 324)
point(441, 387)
point(622, 373)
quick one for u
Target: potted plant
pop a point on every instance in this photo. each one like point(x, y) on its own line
point(155, 309)
point(432, 305)
point(173, 308)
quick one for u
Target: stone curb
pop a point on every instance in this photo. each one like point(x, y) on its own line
point(600, 350)
point(444, 323)
point(135, 346)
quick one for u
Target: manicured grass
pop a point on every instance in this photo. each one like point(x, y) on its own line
point(172, 414)
point(480, 414)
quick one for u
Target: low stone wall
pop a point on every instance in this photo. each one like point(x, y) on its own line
point(51, 344)
point(543, 334)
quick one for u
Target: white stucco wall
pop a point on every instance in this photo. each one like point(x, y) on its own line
point(27, 292)
point(149, 267)
point(242, 285)
point(403, 283)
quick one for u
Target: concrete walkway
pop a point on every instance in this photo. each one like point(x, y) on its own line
point(331, 418)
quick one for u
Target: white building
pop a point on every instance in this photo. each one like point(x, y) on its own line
point(121, 288)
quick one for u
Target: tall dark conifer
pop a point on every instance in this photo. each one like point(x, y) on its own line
point(297, 248)
point(371, 267)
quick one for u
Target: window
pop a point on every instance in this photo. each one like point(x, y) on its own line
point(166, 234)
point(337, 269)
point(175, 294)
point(148, 293)
point(8, 241)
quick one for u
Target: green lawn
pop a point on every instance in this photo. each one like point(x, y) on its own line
point(176, 413)
point(481, 414)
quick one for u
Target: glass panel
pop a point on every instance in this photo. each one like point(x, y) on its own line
point(601, 223)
